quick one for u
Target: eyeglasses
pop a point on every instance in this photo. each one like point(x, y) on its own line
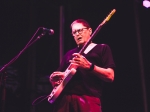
point(79, 31)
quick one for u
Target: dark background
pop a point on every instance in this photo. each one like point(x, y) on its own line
point(127, 33)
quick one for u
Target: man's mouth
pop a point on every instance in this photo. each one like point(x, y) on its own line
point(79, 38)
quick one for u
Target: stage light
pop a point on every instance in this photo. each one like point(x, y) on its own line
point(146, 3)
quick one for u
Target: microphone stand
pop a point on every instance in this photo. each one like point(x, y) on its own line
point(3, 76)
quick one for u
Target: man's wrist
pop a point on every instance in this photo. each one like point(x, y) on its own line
point(91, 67)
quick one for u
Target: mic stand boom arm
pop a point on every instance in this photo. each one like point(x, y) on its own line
point(3, 74)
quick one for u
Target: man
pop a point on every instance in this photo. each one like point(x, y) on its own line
point(94, 66)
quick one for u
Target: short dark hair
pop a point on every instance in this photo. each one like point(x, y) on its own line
point(82, 21)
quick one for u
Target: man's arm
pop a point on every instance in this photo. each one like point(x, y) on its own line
point(106, 74)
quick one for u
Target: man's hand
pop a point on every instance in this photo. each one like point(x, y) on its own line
point(80, 61)
point(56, 78)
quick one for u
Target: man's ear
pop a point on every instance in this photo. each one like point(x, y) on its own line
point(90, 29)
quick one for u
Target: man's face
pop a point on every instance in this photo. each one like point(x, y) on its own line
point(81, 33)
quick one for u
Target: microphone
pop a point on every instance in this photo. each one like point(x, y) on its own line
point(49, 31)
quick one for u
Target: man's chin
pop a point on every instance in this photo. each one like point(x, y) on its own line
point(80, 43)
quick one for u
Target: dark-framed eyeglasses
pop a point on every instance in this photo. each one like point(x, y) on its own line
point(79, 31)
